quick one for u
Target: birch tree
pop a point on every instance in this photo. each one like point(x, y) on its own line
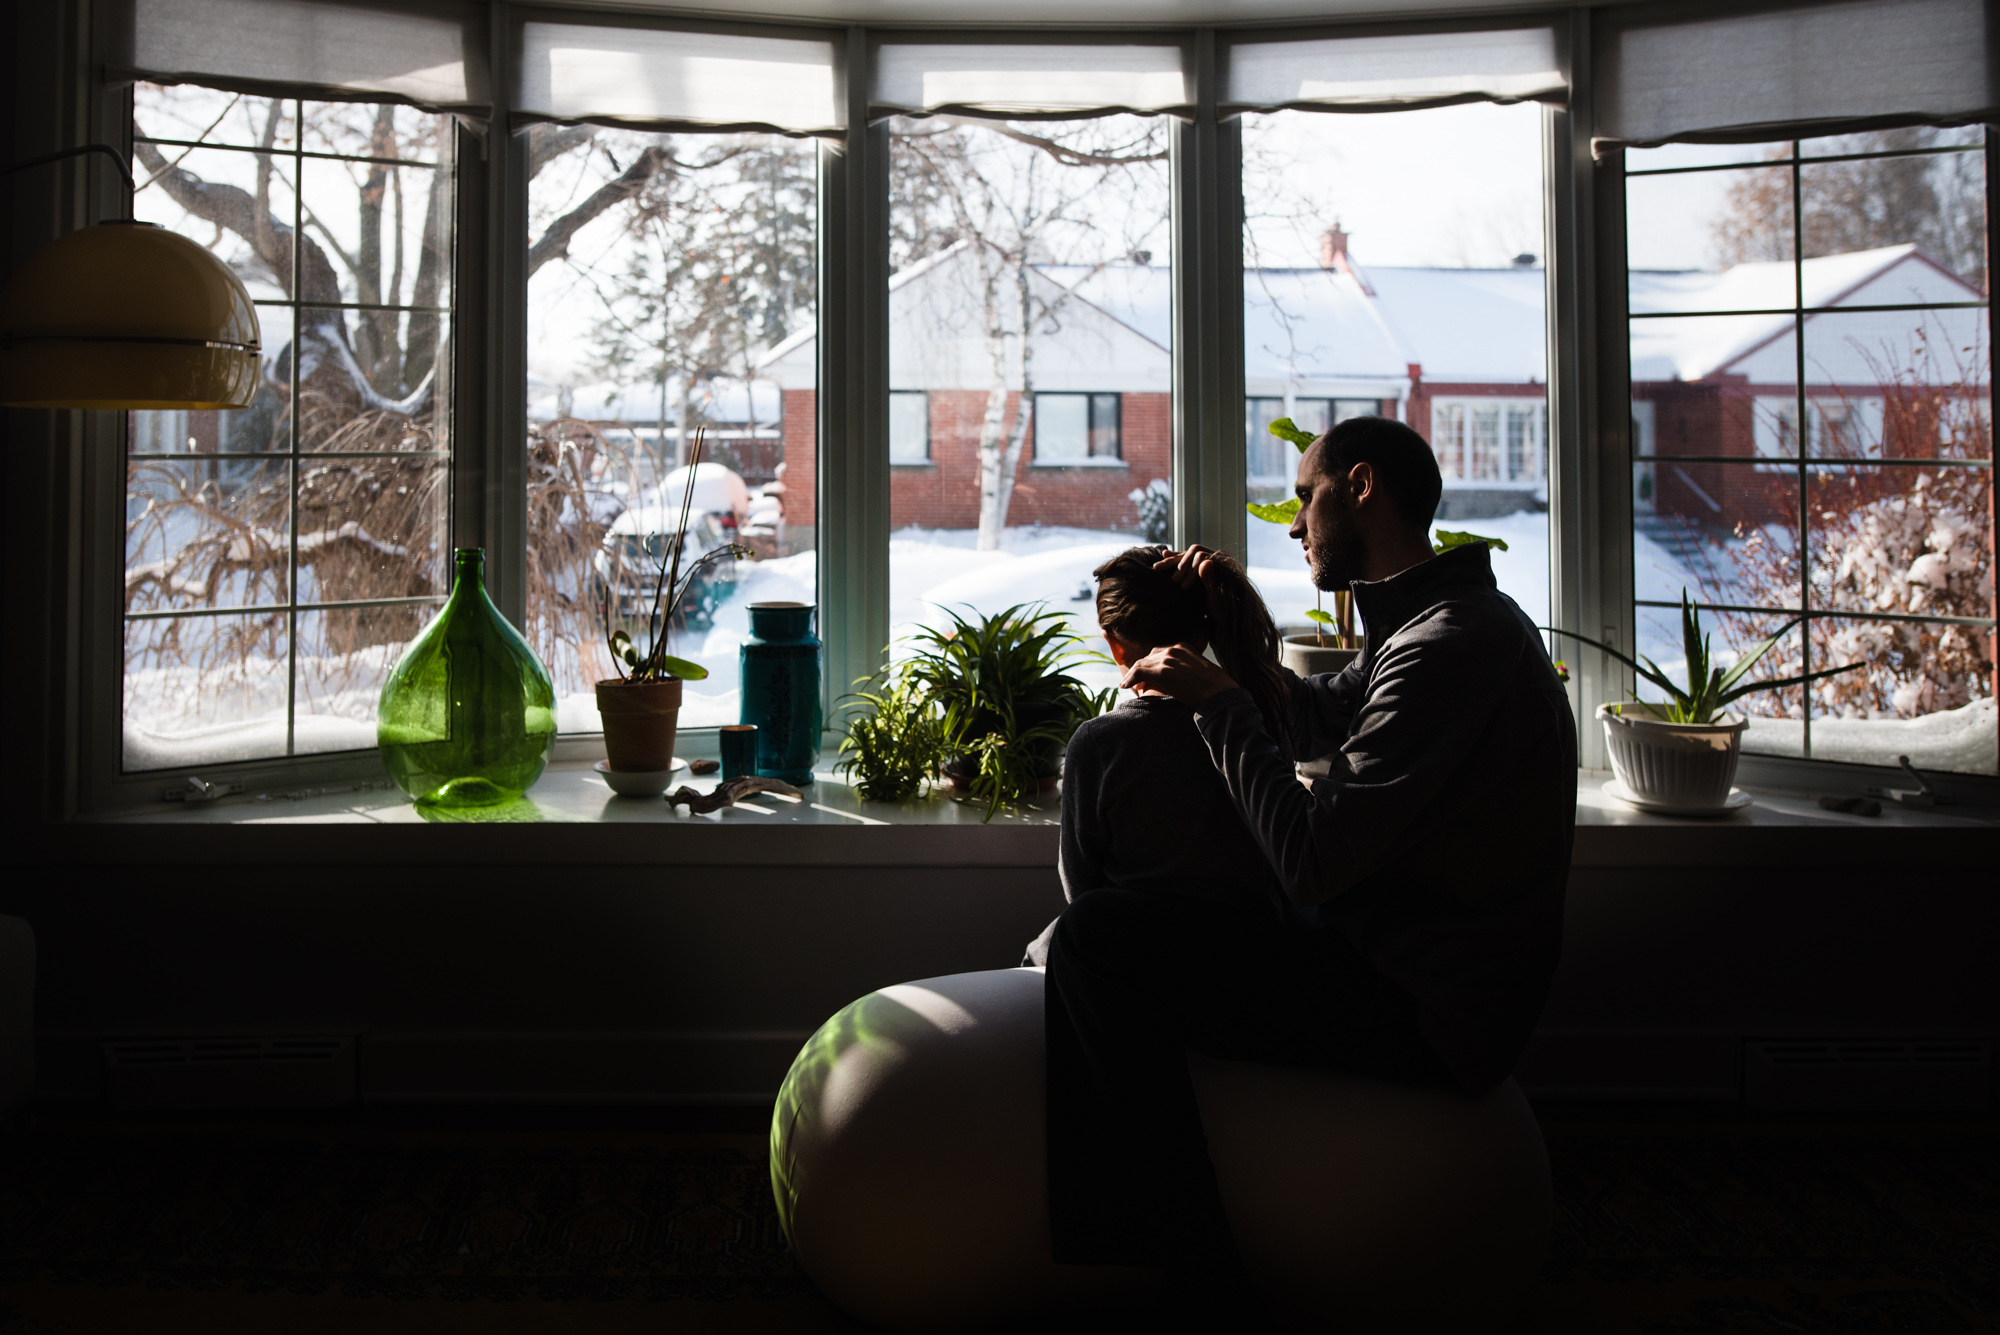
point(1010, 197)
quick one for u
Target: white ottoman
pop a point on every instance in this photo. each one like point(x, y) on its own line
point(907, 1153)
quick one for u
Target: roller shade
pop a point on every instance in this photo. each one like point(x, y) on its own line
point(428, 53)
point(1395, 72)
point(1822, 69)
point(678, 79)
point(1017, 81)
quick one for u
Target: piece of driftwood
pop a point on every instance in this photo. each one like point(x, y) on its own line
point(728, 793)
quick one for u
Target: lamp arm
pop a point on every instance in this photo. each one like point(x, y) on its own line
point(124, 168)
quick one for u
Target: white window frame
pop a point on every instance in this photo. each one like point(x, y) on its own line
point(1587, 449)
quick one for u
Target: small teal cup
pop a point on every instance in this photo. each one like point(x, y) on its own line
point(739, 750)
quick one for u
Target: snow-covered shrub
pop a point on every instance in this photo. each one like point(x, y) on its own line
point(1156, 509)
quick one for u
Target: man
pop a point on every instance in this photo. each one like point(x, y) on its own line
point(1424, 872)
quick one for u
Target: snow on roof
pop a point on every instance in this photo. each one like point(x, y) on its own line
point(1140, 296)
point(1316, 324)
point(1467, 324)
point(1703, 345)
point(1462, 325)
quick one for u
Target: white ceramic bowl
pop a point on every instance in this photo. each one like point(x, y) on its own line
point(632, 783)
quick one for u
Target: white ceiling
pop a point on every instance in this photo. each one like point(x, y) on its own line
point(1066, 13)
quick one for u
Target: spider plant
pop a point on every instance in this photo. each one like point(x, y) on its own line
point(895, 740)
point(1008, 702)
point(670, 586)
point(1710, 688)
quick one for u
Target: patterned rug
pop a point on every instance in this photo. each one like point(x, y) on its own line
point(1661, 1226)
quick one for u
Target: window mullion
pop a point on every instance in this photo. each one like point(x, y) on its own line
point(1590, 448)
point(852, 509)
point(1208, 458)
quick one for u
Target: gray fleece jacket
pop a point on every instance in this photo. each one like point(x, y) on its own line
point(1438, 839)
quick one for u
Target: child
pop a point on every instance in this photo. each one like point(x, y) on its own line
point(1143, 806)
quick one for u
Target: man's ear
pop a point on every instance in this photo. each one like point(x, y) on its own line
point(1361, 487)
point(1121, 653)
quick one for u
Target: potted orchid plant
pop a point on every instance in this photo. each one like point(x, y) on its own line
point(641, 705)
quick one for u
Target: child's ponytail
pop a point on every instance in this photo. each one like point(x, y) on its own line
point(1245, 641)
point(1144, 606)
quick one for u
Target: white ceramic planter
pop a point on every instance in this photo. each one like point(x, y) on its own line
point(1306, 656)
point(1687, 765)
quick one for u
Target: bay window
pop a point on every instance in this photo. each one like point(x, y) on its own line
point(956, 316)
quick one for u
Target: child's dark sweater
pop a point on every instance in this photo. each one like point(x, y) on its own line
point(1144, 808)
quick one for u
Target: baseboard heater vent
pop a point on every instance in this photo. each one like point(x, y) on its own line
point(1809, 1075)
point(302, 1072)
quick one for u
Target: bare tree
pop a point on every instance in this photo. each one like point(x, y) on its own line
point(1009, 198)
point(1936, 201)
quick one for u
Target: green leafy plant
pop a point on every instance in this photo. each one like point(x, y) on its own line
point(670, 586)
point(1009, 704)
point(895, 739)
point(1341, 618)
point(1710, 688)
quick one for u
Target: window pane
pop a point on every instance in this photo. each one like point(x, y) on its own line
point(1724, 532)
point(388, 130)
point(239, 206)
point(1700, 155)
point(194, 114)
point(345, 655)
point(208, 533)
point(1934, 202)
point(1900, 384)
point(680, 302)
point(909, 428)
point(1062, 427)
point(385, 227)
point(1776, 717)
point(1024, 269)
point(1717, 385)
point(1925, 691)
point(1105, 415)
point(200, 690)
point(1710, 241)
point(1370, 288)
point(208, 527)
point(1902, 539)
point(373, 528)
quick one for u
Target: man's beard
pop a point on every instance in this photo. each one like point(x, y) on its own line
point(1336, 552)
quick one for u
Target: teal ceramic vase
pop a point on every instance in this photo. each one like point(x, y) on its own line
point(780, 676)
point(468, 717)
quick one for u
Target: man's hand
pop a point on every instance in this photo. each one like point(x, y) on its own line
point(1180, 672)
point(1189, 567)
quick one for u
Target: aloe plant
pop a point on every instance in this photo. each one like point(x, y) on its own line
point(1007, 699)
point(670, 586)
point(1710, 688)
point(1286, 511)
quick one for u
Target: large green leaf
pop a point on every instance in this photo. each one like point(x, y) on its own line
point(1286, 429)
point(1282, 513)
point(683, 669)
point(1447, 539)
point(1324, 618)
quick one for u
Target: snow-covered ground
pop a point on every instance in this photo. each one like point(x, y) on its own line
point(177, 716)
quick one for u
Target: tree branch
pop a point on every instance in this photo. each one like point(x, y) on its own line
point(1069, 157)
point(554, 243)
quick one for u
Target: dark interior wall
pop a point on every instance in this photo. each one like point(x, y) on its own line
point(568, 983)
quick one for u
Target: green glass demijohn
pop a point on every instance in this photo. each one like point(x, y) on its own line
point(468, 718)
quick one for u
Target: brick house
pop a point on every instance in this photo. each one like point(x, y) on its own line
point(1459, 353)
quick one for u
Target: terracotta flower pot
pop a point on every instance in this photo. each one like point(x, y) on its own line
point(640, 718)
point(1306, 656)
